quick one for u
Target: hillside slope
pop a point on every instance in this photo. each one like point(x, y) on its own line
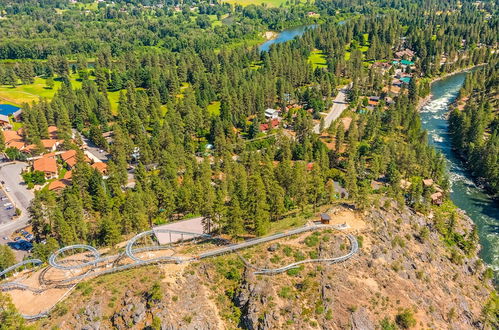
point(404, 274)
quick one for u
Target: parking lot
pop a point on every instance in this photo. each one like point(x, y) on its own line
point(20, 197)
point(7, 208)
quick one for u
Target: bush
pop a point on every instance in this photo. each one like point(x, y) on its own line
point(34, 178)
point(360, 240)
point(294, 271)
point(312, 240)
point(155, 294)
point(286, 292)
point(299, 256)
point(405, 319)
point(386, 324)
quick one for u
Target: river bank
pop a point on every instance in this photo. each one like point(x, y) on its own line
point(422, 102)
point(465, 194)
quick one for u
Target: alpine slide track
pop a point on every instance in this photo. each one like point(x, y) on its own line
point(100, 265)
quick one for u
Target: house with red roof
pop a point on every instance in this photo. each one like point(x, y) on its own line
point(46, 165)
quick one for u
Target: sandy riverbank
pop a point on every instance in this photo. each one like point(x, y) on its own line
point(269, 35)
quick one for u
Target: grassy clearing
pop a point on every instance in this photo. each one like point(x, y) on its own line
point(318, 59)
point(214, 108)
point(32, 92)
point(255, 65)
point(214, 20)
point(270, 3)
point(114, 98)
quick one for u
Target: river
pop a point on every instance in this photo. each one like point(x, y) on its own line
point(465, 194)
point(284, 36)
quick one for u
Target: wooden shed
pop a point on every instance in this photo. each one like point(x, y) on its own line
point(325, 218)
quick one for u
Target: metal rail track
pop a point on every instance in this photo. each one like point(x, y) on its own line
point(101, 262)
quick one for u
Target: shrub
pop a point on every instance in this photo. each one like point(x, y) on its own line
point(405, 319)
point(155, 294)
point(386, 324)
point(299, 256)
point(294, 271)
point(286, 292)
point(360, 240)
point(312, 240)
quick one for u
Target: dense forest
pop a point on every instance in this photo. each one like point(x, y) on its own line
point(168, 66)
point(475, 129)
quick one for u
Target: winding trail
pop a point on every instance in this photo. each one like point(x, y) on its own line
point(109, 264)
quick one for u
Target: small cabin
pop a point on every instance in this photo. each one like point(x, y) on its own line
point(325, 219)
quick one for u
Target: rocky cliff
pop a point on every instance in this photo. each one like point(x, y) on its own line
point(407, 275)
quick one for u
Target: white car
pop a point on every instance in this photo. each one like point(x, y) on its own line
point(7, 189)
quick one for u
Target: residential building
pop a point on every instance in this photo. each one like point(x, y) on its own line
point(46, 165)
point(50, 144)
point(271, 113)
point(18, 115)
point(4, 121)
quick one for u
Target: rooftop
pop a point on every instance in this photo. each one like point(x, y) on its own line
point(47, 165)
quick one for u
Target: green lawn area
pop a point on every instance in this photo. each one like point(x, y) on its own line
point(255, 65)
point(114, 98)
point(214, 108)
point(348, 49)
point(363, 48)
point(15, 125)
point(318, 59)
point(215, 21)
point(32, 92)
point(271, 3)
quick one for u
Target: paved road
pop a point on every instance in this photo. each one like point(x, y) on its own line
point(20, 196)
point(92, 151)
point(339, 105)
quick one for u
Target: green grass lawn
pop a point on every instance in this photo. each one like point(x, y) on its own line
point(214, 108)
point(215, 21)
point(32, 92)
point(114, 98)
point(271, 3)
point(318, 59)
point(255, 65)
point(363, 49)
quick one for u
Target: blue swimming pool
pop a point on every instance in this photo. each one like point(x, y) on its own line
point(7, 109)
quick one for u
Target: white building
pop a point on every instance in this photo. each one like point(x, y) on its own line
point(271, 113)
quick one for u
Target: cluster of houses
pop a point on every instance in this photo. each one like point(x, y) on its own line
point(51, 163)
point(5, 120)
point(401, 68)
point(15, 139)
point(273, 120)
point(53, 160)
